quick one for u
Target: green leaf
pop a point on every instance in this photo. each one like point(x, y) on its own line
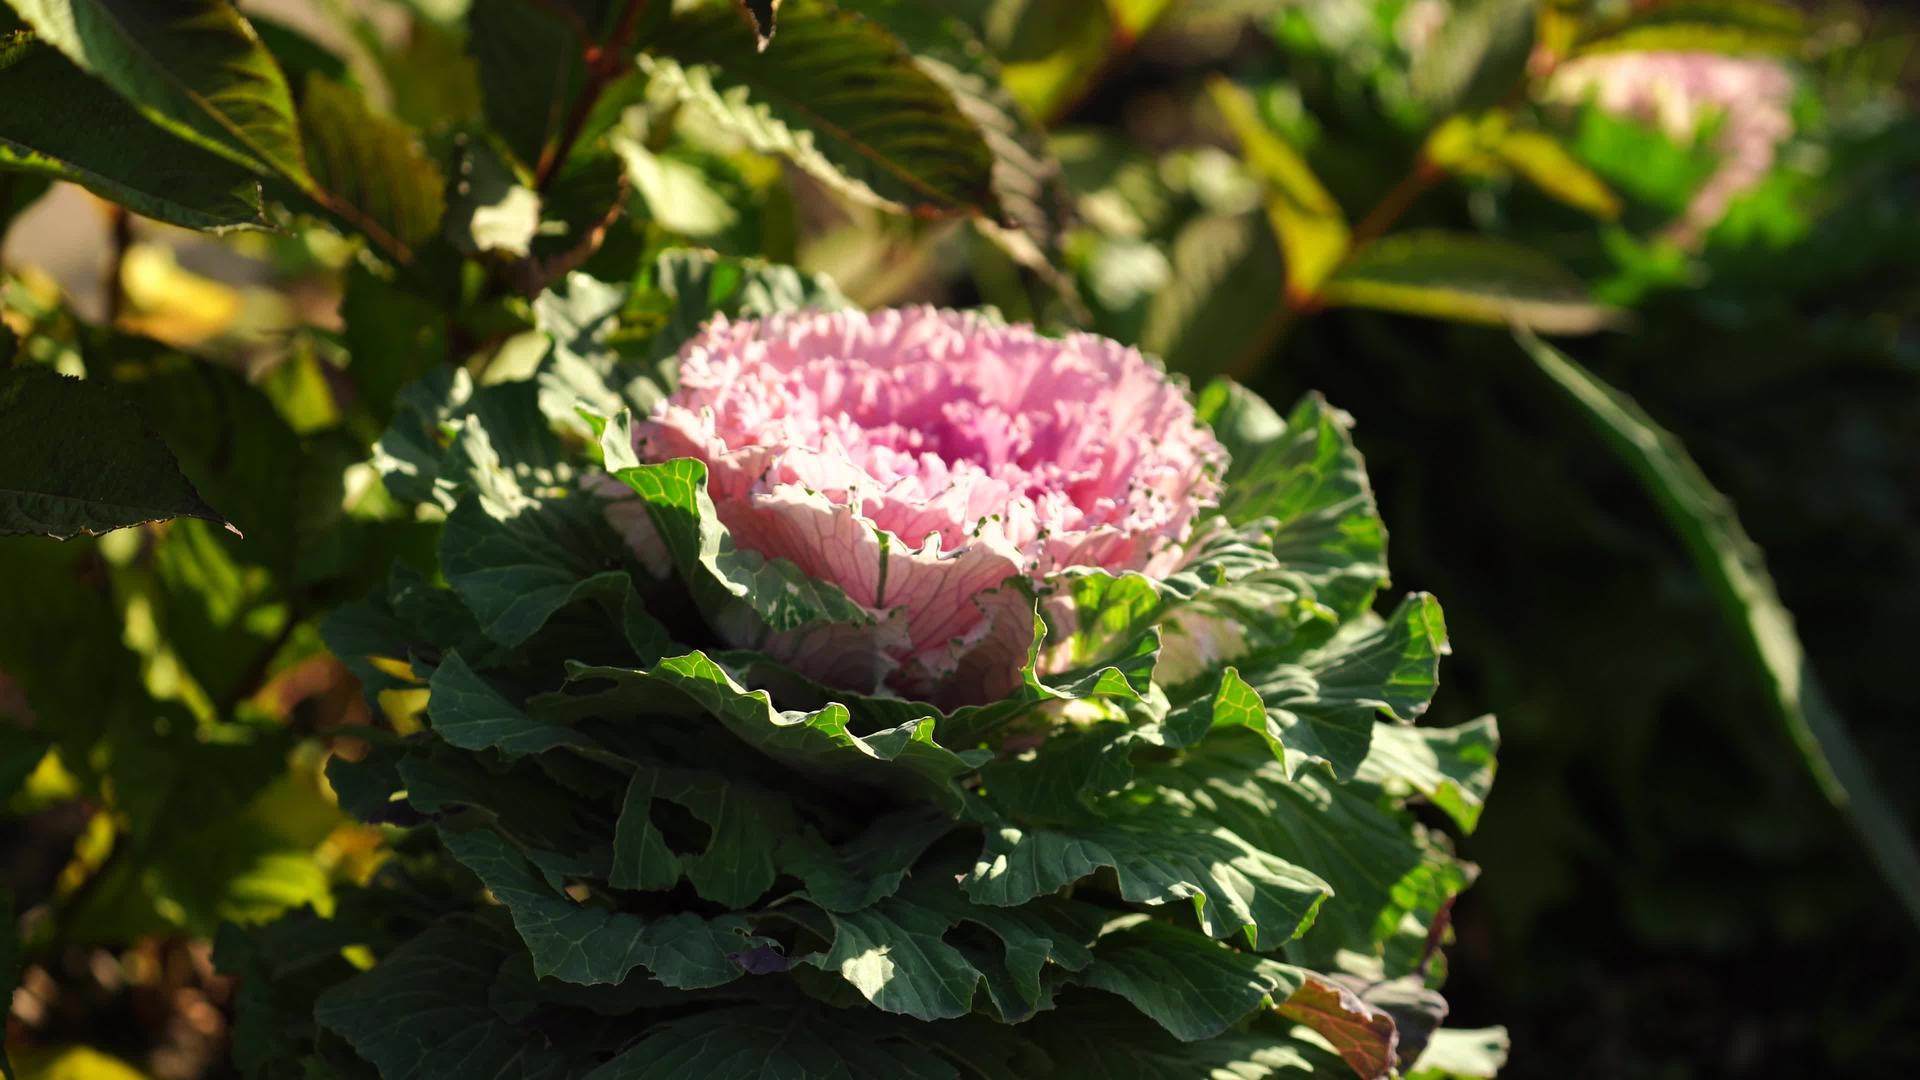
point(1477, 57)
point(1306, 475)
point(194, 67)
point(1451, 767)
point(778, 595)
point(1462, 1054)
point(841, 97)
point(1324, 702)
point(1377, 873)
point(819, 742)
point(1468, 279)
point(472, 715)
point(422, 1013)
point(1311, 226)
point(1363, 1036)
point(491, 210)
point(591, 945)
point(78, 459)
point(1028, 180)
point(1735, 569)
point(378, 174)
point(744, 826)
point(1160, 854)
point(1101, 1041)
point(1189, 984)
point(896, 953)
point(57, 121)
point(516, 570)
point(865, 868)
point(764, 1042)
point(1719, 26)
point(1218, 296)
point(699, 285)
point(1491, 146)
point(531, 73)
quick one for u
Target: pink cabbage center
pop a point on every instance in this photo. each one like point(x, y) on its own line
point(919, 459)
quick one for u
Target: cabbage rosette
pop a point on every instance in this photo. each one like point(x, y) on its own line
point(805, 691)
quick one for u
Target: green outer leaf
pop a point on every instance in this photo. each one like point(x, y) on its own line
point(896, 953)
point(778, 593)
point(1468, 278)
point(701, 284)
point(1188, 983)
point(515, 573)
point(588, 945)
point(372, 163)
point(1377, 871)
point(818, 740)
point(1159, 855)
point(841, 97)
point(77, 458)
point(472, 715)
point(755, 1042)
point(1453, 767)
point(195, 67)
point(1305, 473)
point(422, 1012)
point(1325, 702)
point(744, 823)
point(58, 121)
point(1736, 571)
point(1100, 1041)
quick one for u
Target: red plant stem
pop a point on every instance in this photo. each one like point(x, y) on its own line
point(604, 64)
point(1418, 181)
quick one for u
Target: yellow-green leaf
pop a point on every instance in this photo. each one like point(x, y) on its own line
point(1310, 224)
point(1468, 278)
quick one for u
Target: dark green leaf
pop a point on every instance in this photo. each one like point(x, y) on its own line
point(1325, 701)
point(379, 175)
point(1451, 767)
point(1468, 278)
point(1736, 571)
point(1188, 983)
point(195, 67)
point(841, 97)
point(531, 73)
point(78, 459)
point(744, 826)
point(57, 121)
point(1478, 55)
point(1160, 855)
point(592, 945)
point(472, 715)
point(772, 1043)
point(818, 742)
point(422, 1013)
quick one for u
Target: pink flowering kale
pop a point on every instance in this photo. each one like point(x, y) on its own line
point(1679, 92)
point(931, 463)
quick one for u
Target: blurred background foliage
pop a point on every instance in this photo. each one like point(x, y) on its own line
point(1708, 203)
